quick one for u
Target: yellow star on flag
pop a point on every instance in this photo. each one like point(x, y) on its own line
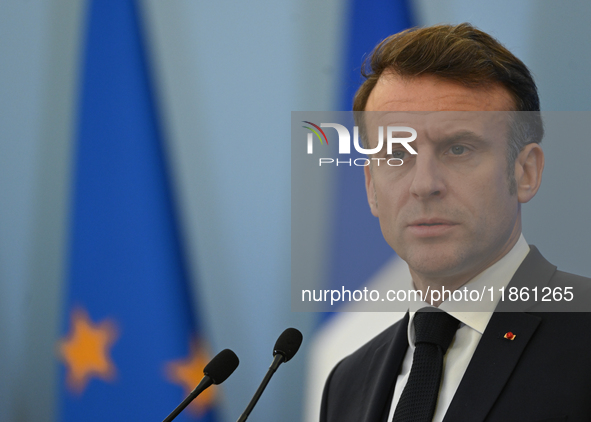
point(188, 373)
point(85, 350)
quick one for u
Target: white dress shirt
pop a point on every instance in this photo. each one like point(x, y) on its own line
point(472, 325)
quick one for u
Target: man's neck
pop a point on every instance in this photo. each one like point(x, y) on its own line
point(426, 282)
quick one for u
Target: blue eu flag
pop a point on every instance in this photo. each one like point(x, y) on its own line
point(130, 348)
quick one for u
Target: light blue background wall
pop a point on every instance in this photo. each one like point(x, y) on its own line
point(228, 75)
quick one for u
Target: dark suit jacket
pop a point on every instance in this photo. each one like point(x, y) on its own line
point(544, 374)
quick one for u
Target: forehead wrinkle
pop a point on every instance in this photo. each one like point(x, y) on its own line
point(461, 135)
point(482, 126)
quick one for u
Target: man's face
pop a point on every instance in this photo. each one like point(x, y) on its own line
point(447, 211)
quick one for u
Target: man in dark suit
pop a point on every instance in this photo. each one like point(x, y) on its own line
point(453, 213)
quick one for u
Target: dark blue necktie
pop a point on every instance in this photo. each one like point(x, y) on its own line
point(434, 331)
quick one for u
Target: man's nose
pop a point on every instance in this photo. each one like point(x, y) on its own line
point(427, 177)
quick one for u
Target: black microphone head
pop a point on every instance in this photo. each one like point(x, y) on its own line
point(288, 343)
point(221, 366)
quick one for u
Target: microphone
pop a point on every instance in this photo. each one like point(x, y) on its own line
point(215, 372)
point(285, 348)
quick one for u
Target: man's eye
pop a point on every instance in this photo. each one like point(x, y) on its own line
point(398, 154)
point(458, 149)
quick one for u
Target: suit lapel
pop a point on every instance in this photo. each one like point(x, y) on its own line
point(491, 366)
point(381, 376)
point(495, 357)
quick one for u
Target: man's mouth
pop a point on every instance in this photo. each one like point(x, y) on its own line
point(428, 222)
point(431, 227)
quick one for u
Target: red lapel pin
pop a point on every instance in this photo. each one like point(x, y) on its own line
point(509, 336)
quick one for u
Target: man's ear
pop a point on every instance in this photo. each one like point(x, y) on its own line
point(372, 198)
point(528, 172)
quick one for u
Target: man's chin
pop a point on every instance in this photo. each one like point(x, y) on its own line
point(435, 262)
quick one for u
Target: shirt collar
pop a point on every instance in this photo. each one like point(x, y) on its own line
point(496, 276)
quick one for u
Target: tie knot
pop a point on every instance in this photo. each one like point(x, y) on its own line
point(434, 326)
